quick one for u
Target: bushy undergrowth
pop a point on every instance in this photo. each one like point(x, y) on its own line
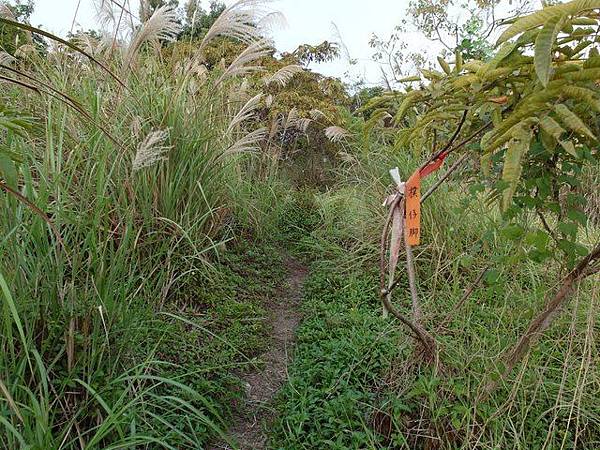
point(343, 348)
point(354, 383)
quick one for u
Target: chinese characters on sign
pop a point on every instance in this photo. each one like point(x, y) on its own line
point(413, 209)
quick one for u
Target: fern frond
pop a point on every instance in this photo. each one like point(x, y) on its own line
point(444, 65)
point(510, 127)
point(543, 47)
point(432, 75)
point(409, 99)
point(506, 49)
point(583, 95)
point(473, 65)
point(552, 127)
point(465, 80)
point(591, 74)
point(376, 119)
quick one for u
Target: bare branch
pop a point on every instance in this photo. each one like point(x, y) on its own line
point(585, 268)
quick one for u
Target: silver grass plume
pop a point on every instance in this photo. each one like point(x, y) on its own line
point(151, 150)
point(242, 65)
point(239, 93)
point(294, 121)
point(106, 14)
point(336, 134)
point(340, 41)
point(245, 112)
point(290, 120)
point(316, 114)
point(248, 142)
point(136, 126)
point(283, 75)
point(7, 13)
point(269, 100)
point(302, 124)
point(238, 21)
point(92, 45)
point(275, 126)
point(162, 25)
point(271, 21)
point(26, 50)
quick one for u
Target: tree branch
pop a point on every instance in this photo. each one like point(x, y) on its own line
point(443, 178)
point(412, 283)
point(542, 321)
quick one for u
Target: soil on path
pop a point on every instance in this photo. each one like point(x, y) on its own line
point(261, 386)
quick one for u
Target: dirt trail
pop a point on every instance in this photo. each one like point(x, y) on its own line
point(261, 386)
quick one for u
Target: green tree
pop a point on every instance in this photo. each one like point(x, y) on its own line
point(529, 113)
point(197, 20)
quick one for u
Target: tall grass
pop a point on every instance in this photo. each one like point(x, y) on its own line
point(135, 176)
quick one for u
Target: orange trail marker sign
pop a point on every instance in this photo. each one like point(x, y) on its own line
point(412, 192)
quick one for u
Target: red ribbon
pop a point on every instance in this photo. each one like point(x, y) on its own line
point(433, 165)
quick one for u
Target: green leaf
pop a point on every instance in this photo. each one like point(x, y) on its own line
point(577, 216)
point(492, 276)
point(511, 172)
point(8, 170)
point(572, 121)
point(444, 65)
point(409, 99)
point(539, 18)
point(552, 127)
point(539, 239)
point(568, 228)
point(502, 53)
point(570, 148)
point(513, 232)
point(544, 44)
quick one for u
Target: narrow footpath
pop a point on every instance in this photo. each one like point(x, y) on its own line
point(261, 386)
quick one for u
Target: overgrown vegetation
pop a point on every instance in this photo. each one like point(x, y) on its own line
point(154, 175)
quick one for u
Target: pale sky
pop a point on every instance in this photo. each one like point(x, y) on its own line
point(309, 22)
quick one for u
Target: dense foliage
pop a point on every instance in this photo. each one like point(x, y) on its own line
point(155, 175)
